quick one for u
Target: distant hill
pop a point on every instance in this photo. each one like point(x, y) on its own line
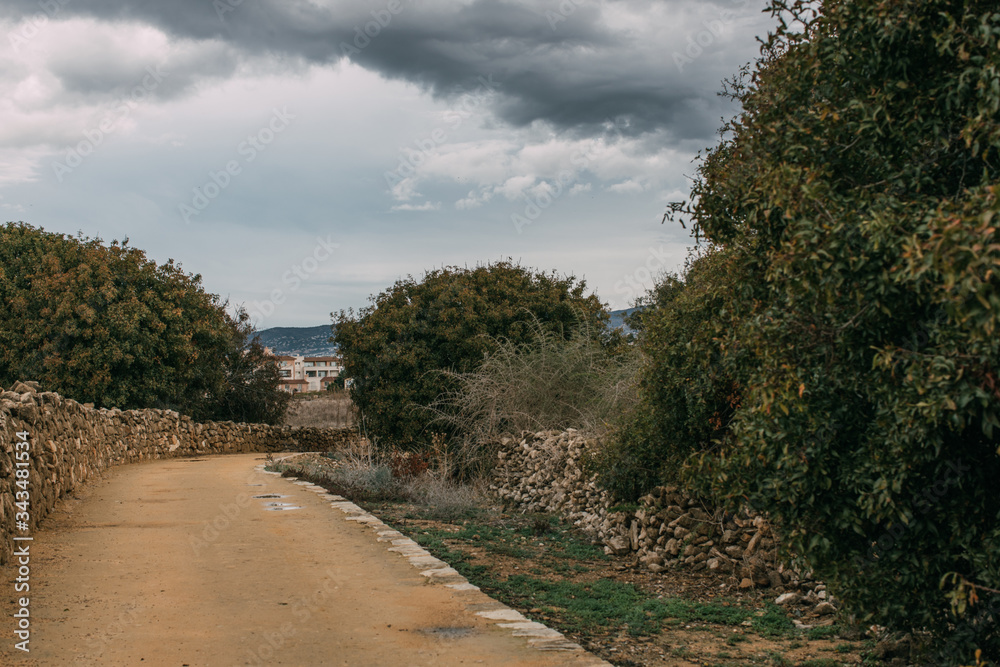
point(306, 341)
point(314, 341)
point(617, 320)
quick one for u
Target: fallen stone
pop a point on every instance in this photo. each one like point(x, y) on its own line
point(824, 609)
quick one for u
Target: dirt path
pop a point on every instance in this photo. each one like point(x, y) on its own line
point(133, 573)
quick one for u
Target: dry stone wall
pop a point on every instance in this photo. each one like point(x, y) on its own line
point(543, 472)
point(70, 443)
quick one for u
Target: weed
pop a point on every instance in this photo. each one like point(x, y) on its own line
point(554, 382)
point(777, 660)
point(822, 632)
point(328, 410)
point(774, 622)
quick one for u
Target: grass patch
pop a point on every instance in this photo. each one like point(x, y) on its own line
point(773, 622)
point(823, 632)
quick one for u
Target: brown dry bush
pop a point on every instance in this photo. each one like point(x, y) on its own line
point(551, 383)
point(332, 409)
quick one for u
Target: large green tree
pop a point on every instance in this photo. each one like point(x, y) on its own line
point(104, 324)
point(395, 348)
point(860, 185)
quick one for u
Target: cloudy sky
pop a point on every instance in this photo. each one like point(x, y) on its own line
point(302, 155)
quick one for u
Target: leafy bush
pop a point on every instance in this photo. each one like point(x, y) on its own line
point(105, 325)
point(859, 186)
point(249, 390)
point(395, 348)
point(692, 376)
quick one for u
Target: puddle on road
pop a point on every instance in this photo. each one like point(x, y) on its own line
point(447, 633)
point(280, 507)
point(271, 495)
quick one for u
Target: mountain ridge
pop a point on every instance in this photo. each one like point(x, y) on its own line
point(315, 341)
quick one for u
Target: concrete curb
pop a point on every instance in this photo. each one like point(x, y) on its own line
point(538, 635)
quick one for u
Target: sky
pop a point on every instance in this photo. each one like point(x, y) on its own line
point(302, 156)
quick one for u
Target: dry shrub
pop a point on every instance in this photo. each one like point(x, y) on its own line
point(333, 409)
point(552, 383)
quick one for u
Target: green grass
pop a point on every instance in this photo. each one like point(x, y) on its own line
point(553, 551)
point(773, 622)
point(554, 546)
point(607, 605)
point(823, 632)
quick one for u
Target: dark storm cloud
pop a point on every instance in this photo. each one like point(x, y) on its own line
point(549, 61)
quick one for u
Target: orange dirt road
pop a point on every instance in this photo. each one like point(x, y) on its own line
point(172, 563)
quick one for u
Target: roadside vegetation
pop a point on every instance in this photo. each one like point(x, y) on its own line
point(550, 381)
point(397, 349)
point(332, 408)
point(830, 355)
point(104, 324)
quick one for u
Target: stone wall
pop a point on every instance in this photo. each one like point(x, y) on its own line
point(543, 472)
point(70, 443)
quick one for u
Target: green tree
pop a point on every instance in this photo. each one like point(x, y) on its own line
point(860, 184)
point(250, 385)
point(395, 349)
point(104, 324)
point(692, 378)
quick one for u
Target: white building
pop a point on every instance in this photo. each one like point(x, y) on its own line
point(308, 373)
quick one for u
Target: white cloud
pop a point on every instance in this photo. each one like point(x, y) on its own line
point(631, 186)
point(426, 206)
